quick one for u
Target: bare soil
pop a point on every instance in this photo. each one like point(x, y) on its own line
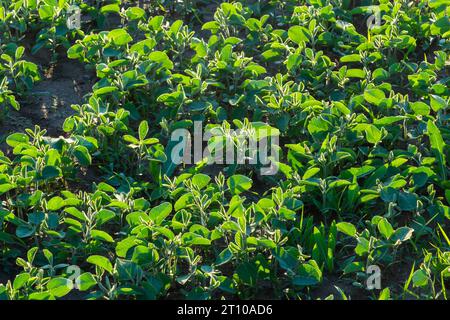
point(328, 287)
point(4, 277)
point(50, 100)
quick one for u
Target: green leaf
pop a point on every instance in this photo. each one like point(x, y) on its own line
point(200, 180)
point(356, 73)
point(380, 74)
point(101, 236)
point(46, 12)
point(211, 25)
point(110, 8)
point(304, 281)
point(103, 216)
point(183, 201)
point(373, 134)
point(85, 281)
point(135, 13)
point(239, 183)
point(130, 139)
point(355, 266)
point(294, 60)
point(199, 105)
point(15, 139)
point(101, 262)
point(119, 37)
point(437, 144)
point(20, 280)
point(225, 256)
point(75, 52)
point(25, 231)
point(374, 96)
point(347, 228)
point(385, 294)
point(51, 172)
point(402, 234)
point(55, 204)
point(190, 238)
point(311, 172)
point(5, 188)
point(143, 130)
point(388, 120)
point(407, 201)
point(351, 58)
point(19, 52)
point(298, 34)
point(105, 90)
point(124, 246)
point(59, 287)
point(82, 155)
point(45, 295)
point(161, 58)
point(388, 194)
point(309, 273)
point(420, 108)
point(143, 47)
point(420, 278)
point(159, 213)
point(437, 103)
point(247, 273)
point(385, 228)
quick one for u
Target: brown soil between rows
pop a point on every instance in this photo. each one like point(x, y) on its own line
point(49, 102)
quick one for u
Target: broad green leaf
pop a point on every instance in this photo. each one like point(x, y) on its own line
point(385, 228)
point(225, 256)
point(51, 172)
point(82, 155)
point(420, 278)
point(143, 130)
point(437, 103)
point(159, 213)
point(347, 228)
point(20, 280)
point(374, 96)
point(200, 180)
point(420, 108)
point(55, 203)
point(373, 134)
point(437, 144)
point(85, 281)
point(110, 8)
point(101, 262)
point(356, 73)
point(239, 183)
point(351, 58)
point(101, 236)
point(6, 187)
point(59, 287)
point(15, 139)
point(161, 58)
point(298, 34)
point(119, 37)
point(402, 234)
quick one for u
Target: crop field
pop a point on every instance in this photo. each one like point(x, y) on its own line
point(241, 150)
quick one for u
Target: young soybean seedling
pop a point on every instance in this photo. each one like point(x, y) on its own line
point(348, 102)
